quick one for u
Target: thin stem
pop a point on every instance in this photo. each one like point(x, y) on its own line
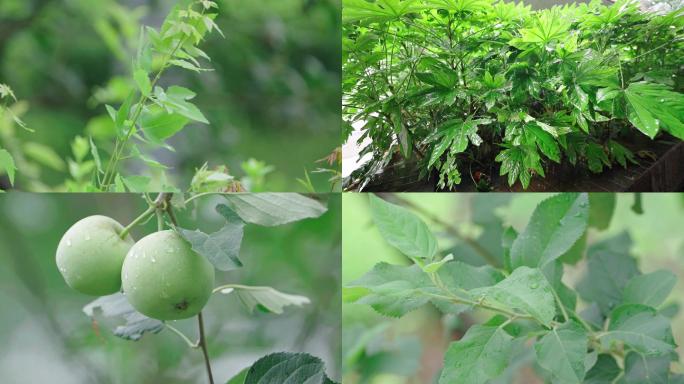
point(203, 344)
point(160, 221)
point(488, 257)
point(150, 210)
point(560, 304)
point(182, 336)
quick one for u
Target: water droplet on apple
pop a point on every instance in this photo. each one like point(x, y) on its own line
point(68, 243)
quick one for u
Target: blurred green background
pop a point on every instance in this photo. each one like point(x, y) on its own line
point(410, 349)
point(45, 337)
point(274, 94)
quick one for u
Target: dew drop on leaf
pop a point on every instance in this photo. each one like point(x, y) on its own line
point(534, 285)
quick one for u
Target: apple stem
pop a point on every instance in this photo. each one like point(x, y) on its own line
point(203, 345)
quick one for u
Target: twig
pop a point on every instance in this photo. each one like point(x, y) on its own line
point(203, 345)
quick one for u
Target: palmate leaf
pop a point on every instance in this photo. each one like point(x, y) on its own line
point(481, 355)
point(455, 135)
point(562, 352)
point(459, 5)
point(518, 162)
point(379, 11)
point(544, 140)
point(547, 26)
point(651, 107)
point(403, 229)
point(556, 224)
point(641, 328)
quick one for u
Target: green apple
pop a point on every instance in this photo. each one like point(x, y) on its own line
point(91, 253)
point(163, 278)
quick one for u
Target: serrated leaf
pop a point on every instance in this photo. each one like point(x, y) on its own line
point(609, 269)
point(393, 290)
point(650, 289)
point(403, 229)
point(221, 248)
point(272, 209)
point(481, 355)
point(288, 368)
point(604, 371)
point(556, 224)
point(266, 299)
point(641, 328)
point(562, 352)
point(641, 369)
point(526, 291)
point(117, 306)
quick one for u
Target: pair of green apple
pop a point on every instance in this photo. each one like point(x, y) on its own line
point(162, 277)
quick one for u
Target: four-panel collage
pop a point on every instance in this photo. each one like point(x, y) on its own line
point(342, 191)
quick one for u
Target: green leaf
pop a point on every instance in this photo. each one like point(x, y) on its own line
point(650, 289)
point(548, 26)
point(142, 79)
point(562, 353)
point(239, 378)
point(96, 155)
point(519, 162)
point(117, 306)
point(136, 183)
point(403, 229)
point(379, 11)
point(526, 291)
point(394, 290)
point(480, 356)
point(273, 209)
point(653, 106)
point(601, 208)
point(44, 155)
point(546, 143)
point(158, 125)
point(609, 269)
point(288, 368)
point(641, 369)
point(221, 248)
point(641, 328)
point(605, 371)
point(175, 100)
point(556, 224)
point(266, 299)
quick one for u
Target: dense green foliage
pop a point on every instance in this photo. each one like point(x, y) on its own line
point(620, 333)
point(467, 84)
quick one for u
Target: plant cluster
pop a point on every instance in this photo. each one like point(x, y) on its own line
point(622, 334)
point(479, 84)
point(169, 274)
